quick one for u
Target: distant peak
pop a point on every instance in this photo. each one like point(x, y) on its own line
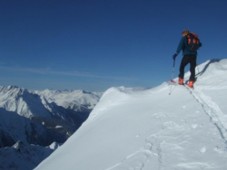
point(12, 87)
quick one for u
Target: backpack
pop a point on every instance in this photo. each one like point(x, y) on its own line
point(193, 42)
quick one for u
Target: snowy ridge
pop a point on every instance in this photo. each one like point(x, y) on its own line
point(149, 129)
point(118, 96)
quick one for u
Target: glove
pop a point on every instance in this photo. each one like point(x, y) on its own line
point(174, 56)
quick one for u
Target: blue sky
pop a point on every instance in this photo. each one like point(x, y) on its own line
point(97, 44)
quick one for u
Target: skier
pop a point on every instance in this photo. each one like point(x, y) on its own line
point(189, 44)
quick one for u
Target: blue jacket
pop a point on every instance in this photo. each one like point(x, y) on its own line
point(183, 46)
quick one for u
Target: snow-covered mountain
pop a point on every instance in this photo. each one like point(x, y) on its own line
point(76, 99)
point(36, 119)
point(170, 127)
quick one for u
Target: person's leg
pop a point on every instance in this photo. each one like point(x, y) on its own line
point(192, 68)
point(184, 62)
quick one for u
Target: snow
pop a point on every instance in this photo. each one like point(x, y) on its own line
point(144, 129)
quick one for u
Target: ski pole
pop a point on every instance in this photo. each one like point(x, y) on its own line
point(171, 88)
point(173, 63)
point(173, 70)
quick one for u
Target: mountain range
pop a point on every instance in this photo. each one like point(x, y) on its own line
point(34, 123)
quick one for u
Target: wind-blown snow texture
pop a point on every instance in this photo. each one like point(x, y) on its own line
point(150, 129)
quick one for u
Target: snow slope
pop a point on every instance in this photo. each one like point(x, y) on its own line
point(169, 127)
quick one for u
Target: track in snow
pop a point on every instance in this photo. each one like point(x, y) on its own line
point(212, 110)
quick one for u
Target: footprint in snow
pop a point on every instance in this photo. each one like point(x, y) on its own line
point(172, 125)
point(194, 126)
point(184, 107)
point(218, 150)
point(203, 149)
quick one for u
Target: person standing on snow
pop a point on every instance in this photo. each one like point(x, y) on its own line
point(189, 44)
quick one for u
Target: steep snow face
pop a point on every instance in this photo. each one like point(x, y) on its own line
point(21, 101)
point(153, 128)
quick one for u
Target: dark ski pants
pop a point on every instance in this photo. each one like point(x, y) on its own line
point(188, 59)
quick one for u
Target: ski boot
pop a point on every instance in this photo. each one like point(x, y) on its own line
point(191, 84)
point(181, 81)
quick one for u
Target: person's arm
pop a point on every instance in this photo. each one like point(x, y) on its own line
point(179, 48)
point(180, 45)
